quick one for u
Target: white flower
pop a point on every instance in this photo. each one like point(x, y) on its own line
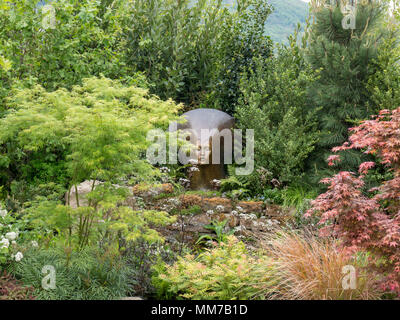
point(243, 216)
point(165, 170)
point(18, 256)
point(11, 235)
point(252, 216)
point(34, 244)
point(4, 243)
point(210, 212)
point(3, 213)
point(220, 208)
point(194, 169)
point(240, 209)
point(13, 242)
point(239, 229)
point(234, 213)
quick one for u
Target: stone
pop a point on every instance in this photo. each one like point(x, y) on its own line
point(273, 211)
point(149, 191)
point(189, 200)
point(251, 206)
point(83, 189)
point(197, 223)
point(217, 204)
point(232, 221)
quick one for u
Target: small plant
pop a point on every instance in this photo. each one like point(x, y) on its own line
point(141, 257)
point(219, 228)
point(12, 236)
point(234, 186)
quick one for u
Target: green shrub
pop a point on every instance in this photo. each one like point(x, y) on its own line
point(194, 51)
point(223, 273)
point(85, 42)
point(274, 105)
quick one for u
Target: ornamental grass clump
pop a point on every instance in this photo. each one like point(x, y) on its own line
point(308, 268)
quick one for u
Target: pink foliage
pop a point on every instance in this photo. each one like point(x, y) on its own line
point(365, 222)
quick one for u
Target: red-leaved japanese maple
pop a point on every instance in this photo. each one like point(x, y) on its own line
point(365, 221)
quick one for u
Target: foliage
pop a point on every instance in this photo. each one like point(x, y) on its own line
point(142, 258)
point(345, 59)
point(273, 105)
point(91, 274)
point(244, 42)
point(138, 225)
point(233, 186)
point(5, 64)
point(11, 289)
point(384, 85)
point(218, 227)
point(308, 268)
point(95, 131)
point(367, 219)
point(83, 42)
point(225, 272)
point(191, 49)
point(13, 236)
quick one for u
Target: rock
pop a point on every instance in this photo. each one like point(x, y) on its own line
point(232, 220)
point(189, 200)
point(251, 206)
point(197, 223)
point(83, 189)
point(274, 211)
point(149, 191)
point(200, 219)
point(217, 204)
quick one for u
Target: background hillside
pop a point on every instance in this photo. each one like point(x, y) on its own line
point(284, 19)
point(282, 22)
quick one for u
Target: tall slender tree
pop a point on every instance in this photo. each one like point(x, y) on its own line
point(342, 46)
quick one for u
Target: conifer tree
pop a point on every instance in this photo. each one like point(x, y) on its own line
point(343, 54)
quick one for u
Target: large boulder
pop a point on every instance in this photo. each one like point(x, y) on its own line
point(83, 189)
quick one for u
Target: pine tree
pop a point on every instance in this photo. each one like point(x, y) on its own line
point(344, 58)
